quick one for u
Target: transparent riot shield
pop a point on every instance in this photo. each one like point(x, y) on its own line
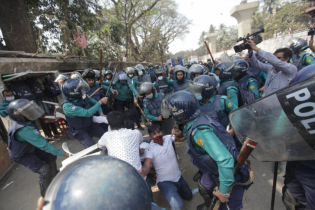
point(165, 109)
point(283, 124)
point(142, 79)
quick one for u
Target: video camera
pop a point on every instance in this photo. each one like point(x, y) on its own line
point(311, 31)
point(256, 38)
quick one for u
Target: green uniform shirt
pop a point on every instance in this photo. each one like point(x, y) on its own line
point(307, 60)
point(231, 93)
point(147, 111)
point(252, 86)
point(75, 111)
point(209, 143)
point(32, 136)
point(227, 105)
point(123, 90)
point(3, 108)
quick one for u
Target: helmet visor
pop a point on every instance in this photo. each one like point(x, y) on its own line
point(83, 86)
point(227, 60)
point(62, 77)
point(31, 111)
point(195, 89)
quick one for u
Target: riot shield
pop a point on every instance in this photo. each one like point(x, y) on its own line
point(184, 86)
point(144, 78)
point(283, 124)
point(165, 110)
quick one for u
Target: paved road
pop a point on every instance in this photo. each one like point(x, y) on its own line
point(24, 190)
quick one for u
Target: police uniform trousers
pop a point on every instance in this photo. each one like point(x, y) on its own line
point(85, 135)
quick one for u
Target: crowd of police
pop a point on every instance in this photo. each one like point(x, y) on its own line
point(198, 97)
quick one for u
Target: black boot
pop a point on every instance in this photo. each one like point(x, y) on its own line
point(139, 126)
point(197, 176)
point(206, 196)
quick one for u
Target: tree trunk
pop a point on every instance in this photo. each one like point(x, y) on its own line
point(16, 27)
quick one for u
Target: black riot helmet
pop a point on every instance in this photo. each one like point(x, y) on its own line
point(241, 67)
point(23, 110)
point(298, 44)
point(98, 182)
point(226, 68)
point(108, 72)
point(204, 86)
point(183, 106)
point(88, 73)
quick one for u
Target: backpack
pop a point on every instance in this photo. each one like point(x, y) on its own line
point(51, 88)
point(36, 88)
point(21, 90)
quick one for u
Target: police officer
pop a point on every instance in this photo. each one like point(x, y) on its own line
point(27, 147)
point(180, 81)
point(61, 78)
point(114, 184)
point(130, 71)
point(159, 84)
point(244, 78)
point(228, 86)
point(97, 76)
point(213, 105)
point(211, 65)
point(79, 111)
point(212, 150)
point(152, 102)
point(196, 70)
point(140, 67)
point(301, 58)
point(108, 76)
point(8, 97)
point(299, 183)
point(151, 72)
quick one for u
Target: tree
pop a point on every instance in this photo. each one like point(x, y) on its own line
point(289, 18)
point(227, 37)
point(270, 5)
point(16, 27)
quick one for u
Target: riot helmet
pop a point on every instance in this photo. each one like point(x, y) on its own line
point(236, 57)
point(217, 61)
point(74, 89)
point(171, 73)
point(98, 182)
point(187, 65)
point(197, 69)
point(150, 66)
point(241, 67)
point(193, 62)
point(130, 71)
point(226, 68)
point(158, 74)
point(203, 86)
point(88, 73)
point(183, 106)
point(97, 74)
point(179, 68)
point(147, 90)
point(108, 74)
point(61, 78)
point(140, 67)
point(304, 73)
point(298, 45)
point(75, 75)
point(122, 78)
point(23, 110)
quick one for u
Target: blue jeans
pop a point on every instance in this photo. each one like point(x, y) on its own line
point(175, 191)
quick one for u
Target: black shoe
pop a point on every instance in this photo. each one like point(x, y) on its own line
point(197, 176)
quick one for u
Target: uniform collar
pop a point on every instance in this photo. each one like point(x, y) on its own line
point(190, 123)
point(226, 82)
point(209, 102)
point(301, 54)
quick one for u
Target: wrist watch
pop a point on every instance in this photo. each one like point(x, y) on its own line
point(226, 194)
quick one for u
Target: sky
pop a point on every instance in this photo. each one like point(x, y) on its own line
point(203, 13)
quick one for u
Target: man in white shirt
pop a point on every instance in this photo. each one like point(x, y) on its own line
point(121, 142)
point(169, 179)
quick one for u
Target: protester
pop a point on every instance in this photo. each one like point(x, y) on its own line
point(8, 97)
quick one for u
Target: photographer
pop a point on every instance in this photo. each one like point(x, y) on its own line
point(279, 73)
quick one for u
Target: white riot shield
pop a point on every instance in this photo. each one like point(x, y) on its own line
point(283, 124)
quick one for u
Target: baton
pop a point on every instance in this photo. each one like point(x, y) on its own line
point(209, 52)
point(108, 86)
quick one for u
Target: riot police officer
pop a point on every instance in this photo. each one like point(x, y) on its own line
point(196, 70)
point(152, 102)
point(97, 76)
point(180, 82)
point(159, 84)
point(215, 157)
point(301, 58)
point(27, 147)
point(228, 86)
point(140, 67)
point(244, 78)
point(151, 72)
point(130, 71)
point(79, 111)
point(108, 75)
point(299, 183)
point(114, 184)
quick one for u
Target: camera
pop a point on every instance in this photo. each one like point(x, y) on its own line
point(255, 37)
point(311, 31)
